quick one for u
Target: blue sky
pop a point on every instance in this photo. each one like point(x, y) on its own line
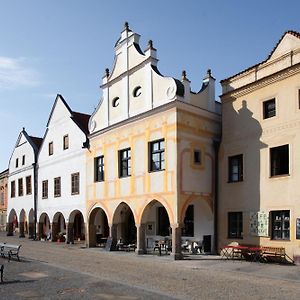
point(50, 47)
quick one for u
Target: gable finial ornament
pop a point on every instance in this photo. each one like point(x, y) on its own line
point(23, 129)
point(150, 44)
point(209, 72)
point(107, 72)
point(126, 26)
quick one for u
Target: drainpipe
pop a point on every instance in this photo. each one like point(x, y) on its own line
point(35, 195)
point(216, 193)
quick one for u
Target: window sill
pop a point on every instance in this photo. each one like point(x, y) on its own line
point(154, 171)
point(44, 198)
point(235, 181)
point(280, 176)
point(74, 194)
point(124, 176)
point(99, 181)
point(280, 240)
point(57, 196)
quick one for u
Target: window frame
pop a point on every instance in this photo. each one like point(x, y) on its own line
point(20, 187)
point(66, 142)
point(240, 168)
point(57, 187)
point(160, 152)
point(50, 148)
point(267, 112)
point(125, 163)
point(45, 189)
point(99, 168)
point(280, 221)
point(28, 185)
point(237, 218)
point(279, 168)
point(13, 189)
point(75, 183)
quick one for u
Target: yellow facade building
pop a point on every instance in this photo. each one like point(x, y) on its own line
point(259, 157)
point(152, 156)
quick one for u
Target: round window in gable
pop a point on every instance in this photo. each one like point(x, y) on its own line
point(137, 91)
point(115, 102)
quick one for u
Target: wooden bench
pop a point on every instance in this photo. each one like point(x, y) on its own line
point(275, 254)
point(10, 250)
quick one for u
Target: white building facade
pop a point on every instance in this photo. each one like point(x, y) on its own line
point(22, 190)
point(61, 179)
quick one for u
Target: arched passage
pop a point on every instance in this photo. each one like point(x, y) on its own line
point(58, 228)
point(198, 223)
point(23, 224)
point(44, 232)
point(13, 225)
point(75, 227)
point(124, 228)
point(98, 227)
point(31, 224)
point(155, 226)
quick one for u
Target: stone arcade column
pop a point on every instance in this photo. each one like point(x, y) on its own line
point(70, 233)
point(176, 241)
point(10, 229)
point(140, 238)
point(31, 231)
point(22, 227)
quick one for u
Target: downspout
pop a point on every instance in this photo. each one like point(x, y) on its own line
point(216, 192)
point(35, 195)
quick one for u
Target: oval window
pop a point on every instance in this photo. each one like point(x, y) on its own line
point(137, 91)
point(115, 102)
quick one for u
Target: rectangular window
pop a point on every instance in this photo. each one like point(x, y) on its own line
point(99, 168)
point(162, 222)
point(17, 162)
point(50, 148)
point(280, 224)
point(269, 108)
point(75, 183)
point(45, 189)
point(188, 229)
point(235, 168)
point(235, 225)
point(20, 186)
point(66, 142)
point(157, 155)
point(57, 187)
point(279, 160)
point(125, 162)
point(13, 189)
point(197, 157)
point(2, 198)
point(23, 160)
point(28, 185)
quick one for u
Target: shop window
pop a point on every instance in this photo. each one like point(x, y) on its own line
point(235, 168)
point(279, 159)
point(269, 109)
point(188, 229)
point(99, 168)
point(45, 189)
point(157, 155)
point(75, 183)
point(28, 185)
point(235, 225)
point(280, 224)
point(125, 162)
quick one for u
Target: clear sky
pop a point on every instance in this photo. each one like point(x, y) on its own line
point(50, 47)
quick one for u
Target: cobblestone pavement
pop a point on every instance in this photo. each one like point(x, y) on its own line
point(60, 271)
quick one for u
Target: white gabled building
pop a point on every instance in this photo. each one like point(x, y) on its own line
point(22, 191)
point(62, 169)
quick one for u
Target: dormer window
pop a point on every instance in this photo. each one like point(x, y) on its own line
point(137, 91)
point(115, 102)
